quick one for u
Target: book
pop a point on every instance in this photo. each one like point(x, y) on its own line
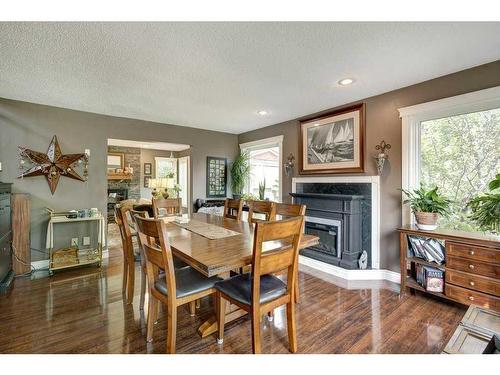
point(434, 255)
point(419, 269)
point(429, 249)
point(433, 279)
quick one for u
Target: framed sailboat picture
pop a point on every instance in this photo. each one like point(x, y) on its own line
point(333, 143)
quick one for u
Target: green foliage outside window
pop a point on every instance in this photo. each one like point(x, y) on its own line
point(461, 155)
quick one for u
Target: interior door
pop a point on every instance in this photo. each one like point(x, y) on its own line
point(184, 181)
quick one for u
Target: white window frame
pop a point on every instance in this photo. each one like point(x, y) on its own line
point(157, 158)
point(413, 116)
point(261, 143)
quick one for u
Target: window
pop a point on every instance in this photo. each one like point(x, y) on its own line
point(164, 166)
point(453, 144)
point(265, 166)
point(460, 155)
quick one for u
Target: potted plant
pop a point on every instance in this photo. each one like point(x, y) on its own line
point(427, 205)
point(240, 172)
point(262, 190)
point(486, 208)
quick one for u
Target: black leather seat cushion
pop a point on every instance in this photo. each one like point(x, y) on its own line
point(239, 288)
point(179, 263)
point(189, 281)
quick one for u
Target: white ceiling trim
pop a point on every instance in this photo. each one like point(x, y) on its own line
point(148, 145)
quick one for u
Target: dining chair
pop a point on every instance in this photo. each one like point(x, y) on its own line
point(233, 208)
point(128, 254)
point(284, 211)
point(260, 292)
point(171, 206)
point(266, 208)
point(133, 213)
point(175, 287)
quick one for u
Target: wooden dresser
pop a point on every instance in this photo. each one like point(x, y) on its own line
point(471, 268)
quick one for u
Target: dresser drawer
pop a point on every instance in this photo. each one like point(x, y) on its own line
point(470, 297)
point(483, 254)
point(471, 281)
point(472, 266)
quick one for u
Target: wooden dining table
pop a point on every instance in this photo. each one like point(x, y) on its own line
point(217, 257)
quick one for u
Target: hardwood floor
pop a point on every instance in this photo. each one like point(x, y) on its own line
point(82, 311)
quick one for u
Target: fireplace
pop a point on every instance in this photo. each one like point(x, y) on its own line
point(340, 216)
point(115, 196)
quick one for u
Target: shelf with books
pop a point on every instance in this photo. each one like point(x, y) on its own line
point(445, 263)
point(425, 263)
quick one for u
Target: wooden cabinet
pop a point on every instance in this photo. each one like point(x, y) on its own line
point(472, 266)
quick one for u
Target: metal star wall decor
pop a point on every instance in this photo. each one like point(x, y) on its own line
point(53, 164)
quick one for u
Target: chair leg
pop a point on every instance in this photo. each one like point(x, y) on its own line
point(192, 308)
point(256, 347)
point(125, 275)
point(296, 287)
point(290, 321)
point(171, 328)
point(143, 289)
point(221, 317)
point(152, 309)
point(130, 282)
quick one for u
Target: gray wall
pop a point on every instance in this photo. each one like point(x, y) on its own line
point(383, 122)
point(33, 126)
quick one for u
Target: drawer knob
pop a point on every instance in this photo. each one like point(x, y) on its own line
point(471, 283)
point(471, 252)
point(471, 298)
point(471, 266)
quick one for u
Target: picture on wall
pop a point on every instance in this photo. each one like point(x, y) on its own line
point(146, 181)
point(216, 177)
point(148, 168)
point(333, 143)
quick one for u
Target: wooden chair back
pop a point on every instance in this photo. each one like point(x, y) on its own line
point(267, 208)
point(171, 206)
point(289, 231)
point(286, 210)
point(153, 237)
point(233, 208)
point(125, 232)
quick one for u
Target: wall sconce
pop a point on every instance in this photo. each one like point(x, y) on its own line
point(289, 164)
point(382, 155)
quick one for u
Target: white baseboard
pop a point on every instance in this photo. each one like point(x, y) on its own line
point(351, 274)
point(44, 264)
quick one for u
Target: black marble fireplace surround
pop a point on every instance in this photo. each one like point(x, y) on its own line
point(340, 214)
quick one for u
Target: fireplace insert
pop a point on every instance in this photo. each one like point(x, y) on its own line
point(329, 248)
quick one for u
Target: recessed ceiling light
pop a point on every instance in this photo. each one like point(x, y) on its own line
point(346, 81)
point(262, 113)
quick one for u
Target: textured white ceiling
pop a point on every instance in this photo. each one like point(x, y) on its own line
point(218, 75)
